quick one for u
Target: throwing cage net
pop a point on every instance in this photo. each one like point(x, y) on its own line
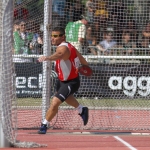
point(116, 46)
point(8, 103)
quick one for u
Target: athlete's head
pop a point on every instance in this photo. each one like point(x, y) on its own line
point(58, 35)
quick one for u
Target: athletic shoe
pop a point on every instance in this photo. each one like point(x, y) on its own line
point(43, 129)
point(85, 115)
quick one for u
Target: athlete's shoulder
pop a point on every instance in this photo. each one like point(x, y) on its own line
point(63, 44)
point(71, 46)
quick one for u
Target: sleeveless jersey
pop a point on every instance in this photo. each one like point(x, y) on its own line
point(72, 30)
point(68, 69)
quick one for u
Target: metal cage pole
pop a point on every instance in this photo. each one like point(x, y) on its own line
point(3, 141)
point(46, 52)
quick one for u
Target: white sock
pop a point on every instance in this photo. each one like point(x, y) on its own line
point(79, 108)
point(45, 122)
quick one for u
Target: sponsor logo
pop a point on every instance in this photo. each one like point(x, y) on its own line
point(29, 82)
point(130, 85)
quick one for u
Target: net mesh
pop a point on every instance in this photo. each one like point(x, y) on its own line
point(7, 80)
point(116, 46)
point(117, 82)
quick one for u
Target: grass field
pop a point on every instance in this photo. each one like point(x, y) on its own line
point(112, 103)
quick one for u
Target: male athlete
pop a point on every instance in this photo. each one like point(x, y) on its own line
point(67, 60)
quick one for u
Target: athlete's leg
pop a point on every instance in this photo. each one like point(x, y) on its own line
point(52, 111)
point(72, 101)
point(83, 111)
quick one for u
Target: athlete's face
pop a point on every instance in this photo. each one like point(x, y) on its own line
point(57, 38)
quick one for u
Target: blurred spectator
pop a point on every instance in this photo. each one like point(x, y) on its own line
point(76, 32)
point(101, 8)
point(20, 12)
point(20, 39)
point(144, 46)
point(36, 44)
point(91, 40)
point(59, 7)
point(15, 28)
point(25, 42)
point(118, 12)
point(77, 10)
point(58, 21)
point(144, 43)
point(68, 9)
point(132, 28)
point(100, 19)
point(107, 45)
point(90, 36)
point(146, 31)
point(127, 44)
point(90, 10)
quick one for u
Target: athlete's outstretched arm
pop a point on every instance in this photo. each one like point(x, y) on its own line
point(62, 52)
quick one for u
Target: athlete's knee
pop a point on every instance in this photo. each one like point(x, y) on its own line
point(55, 103)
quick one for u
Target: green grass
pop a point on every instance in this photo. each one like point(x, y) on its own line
point(29, 101)
point(92, 102)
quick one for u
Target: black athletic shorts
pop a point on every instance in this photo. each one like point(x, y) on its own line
point(67, 88)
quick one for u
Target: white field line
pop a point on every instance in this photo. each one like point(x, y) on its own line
point(125, 143)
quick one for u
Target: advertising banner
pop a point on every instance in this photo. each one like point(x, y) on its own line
point(28, 79)
point(108, 80)
point(117, 81)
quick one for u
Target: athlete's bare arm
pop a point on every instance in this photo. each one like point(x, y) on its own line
point(81, 58)
point(62, 52)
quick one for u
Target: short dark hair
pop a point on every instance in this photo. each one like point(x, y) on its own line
point(59, 29)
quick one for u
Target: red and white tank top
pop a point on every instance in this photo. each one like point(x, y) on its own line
point(68, 69)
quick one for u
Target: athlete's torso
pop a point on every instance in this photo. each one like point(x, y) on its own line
point(68, 69)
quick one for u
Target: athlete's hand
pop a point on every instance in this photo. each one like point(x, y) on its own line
point(42, 58)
